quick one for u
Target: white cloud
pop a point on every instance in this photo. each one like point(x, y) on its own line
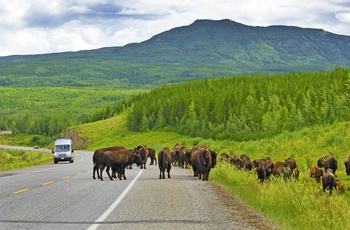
point(343, 16)
point(39, 26)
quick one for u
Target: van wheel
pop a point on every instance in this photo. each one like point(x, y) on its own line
point(55, 162)
point(71, 161)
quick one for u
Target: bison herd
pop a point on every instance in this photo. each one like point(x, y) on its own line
point(118, 158)
point(265, 168)
point(202, 159)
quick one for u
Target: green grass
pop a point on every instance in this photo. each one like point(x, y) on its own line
point(293, 204)
point(16, 159)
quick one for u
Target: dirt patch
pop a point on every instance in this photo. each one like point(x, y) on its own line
point(78, 142)
point(250, 215)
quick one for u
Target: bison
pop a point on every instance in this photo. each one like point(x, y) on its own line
point(223, 157)
point(205, 163)
point(316, 172)
point(118, 159)
point(143, 152)
point(264, 168)
point(329, 181)
point(339, 186)
point(187, 156)
point(164, 162)
point(347, 166)
point(152, 156)
point(280, 169)
point(175, 152)
point(96, 159)
point(296, 173)
point(261, 172)
point(322, 160)
point(195, 160)
point(331, 163)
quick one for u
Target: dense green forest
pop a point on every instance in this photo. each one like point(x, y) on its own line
point(50, 111)
point(238, 107)
point(245, 107)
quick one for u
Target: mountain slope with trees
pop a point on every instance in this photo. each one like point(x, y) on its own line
point(206, 48)
point(245, 107)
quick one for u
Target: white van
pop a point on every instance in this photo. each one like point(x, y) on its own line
point(63, 150)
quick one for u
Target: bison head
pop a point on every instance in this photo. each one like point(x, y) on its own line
point(137, 160)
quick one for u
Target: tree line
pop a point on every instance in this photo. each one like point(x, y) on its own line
point(244, 107)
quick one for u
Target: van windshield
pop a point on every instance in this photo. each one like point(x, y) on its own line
point(62, 148)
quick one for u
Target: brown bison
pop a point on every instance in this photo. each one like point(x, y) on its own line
point(238, 162)
point(321, 161)
point(331, 163)
point(347, 166)
point(280, 169)
point(296, 173)
point(175, 154)
point(316, 172)
point(118, 159)
point(143, 152)
point(328, 181)
point(164, 162)
point(205, 163)
point(96, 159)
point(291, 163)
point(264, 168)
point(187, 156)
point(179, 156)
point(152, 156)
point(195, 160)
point(261, 172)
point(223, 157)
point(339, 186)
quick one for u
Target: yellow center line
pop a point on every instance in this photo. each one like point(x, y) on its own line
point(66, 177)
point(49, 182)
point(78, 173)
point(19, 191)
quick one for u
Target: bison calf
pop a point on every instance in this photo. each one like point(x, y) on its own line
point(316, 172)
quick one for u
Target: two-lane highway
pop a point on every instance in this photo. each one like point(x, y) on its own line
point(64, 196)
point(57, 196)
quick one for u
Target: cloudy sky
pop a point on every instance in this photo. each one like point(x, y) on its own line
point(42, 26)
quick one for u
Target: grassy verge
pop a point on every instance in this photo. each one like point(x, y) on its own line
point(292, 204)
point(15, 159)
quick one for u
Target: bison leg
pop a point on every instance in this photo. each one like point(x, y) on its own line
point(96, 169)
point(93, 172)
point(101, 170)
point(123, 172)
point(109, 175)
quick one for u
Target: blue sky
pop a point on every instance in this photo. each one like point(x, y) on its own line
point(41, 26)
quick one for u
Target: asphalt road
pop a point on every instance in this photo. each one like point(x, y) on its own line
point(64, 196)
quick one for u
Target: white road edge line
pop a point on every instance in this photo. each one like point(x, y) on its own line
point(115, 204)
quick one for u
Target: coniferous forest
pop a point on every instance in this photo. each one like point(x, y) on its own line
point(245, 107)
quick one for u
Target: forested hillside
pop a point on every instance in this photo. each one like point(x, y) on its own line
point(245, 107)
point(49, 111)
point(204, 49)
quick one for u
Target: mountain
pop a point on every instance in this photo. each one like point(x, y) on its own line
point(206, 48)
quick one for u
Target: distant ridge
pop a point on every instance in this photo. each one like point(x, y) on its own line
point(221, 47)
